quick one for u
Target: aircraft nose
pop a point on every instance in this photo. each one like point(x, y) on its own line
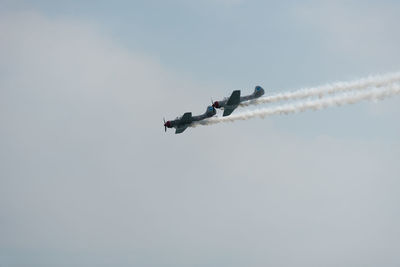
point(216, 104)
point(167, 124)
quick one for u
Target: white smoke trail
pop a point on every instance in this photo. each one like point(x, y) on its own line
point(361, 84)
point(342, 99)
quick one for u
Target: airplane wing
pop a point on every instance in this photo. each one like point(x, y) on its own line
point(184, 122)
point(180, 129)
point(232, 103)
point(228, 111)
point(186, 118)
point(234, 100)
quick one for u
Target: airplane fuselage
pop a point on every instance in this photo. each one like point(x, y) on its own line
point(181, 123)
point(231, 103)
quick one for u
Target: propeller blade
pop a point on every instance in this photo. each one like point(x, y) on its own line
point(165, 127)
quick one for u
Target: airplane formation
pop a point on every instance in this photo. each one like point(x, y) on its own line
point(228, 105)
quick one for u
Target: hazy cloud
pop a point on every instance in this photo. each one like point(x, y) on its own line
point(364, 32)
point(88, 177)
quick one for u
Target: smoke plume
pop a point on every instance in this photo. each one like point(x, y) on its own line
point(372, 94)
point(329, 89)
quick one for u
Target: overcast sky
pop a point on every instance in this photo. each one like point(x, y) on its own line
point(89, 178)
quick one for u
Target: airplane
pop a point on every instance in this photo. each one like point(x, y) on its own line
point(231, 103)
point(181, 123)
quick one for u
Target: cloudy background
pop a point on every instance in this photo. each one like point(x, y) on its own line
point(89, 178)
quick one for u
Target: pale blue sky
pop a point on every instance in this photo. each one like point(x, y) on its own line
point(88, 177)
point(282, 45)
point(236, 44)
point(243, 41)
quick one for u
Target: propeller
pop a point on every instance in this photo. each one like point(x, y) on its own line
point(165, 127)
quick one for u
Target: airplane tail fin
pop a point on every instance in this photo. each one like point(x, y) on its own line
point(258, 91)
point(210, 111)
